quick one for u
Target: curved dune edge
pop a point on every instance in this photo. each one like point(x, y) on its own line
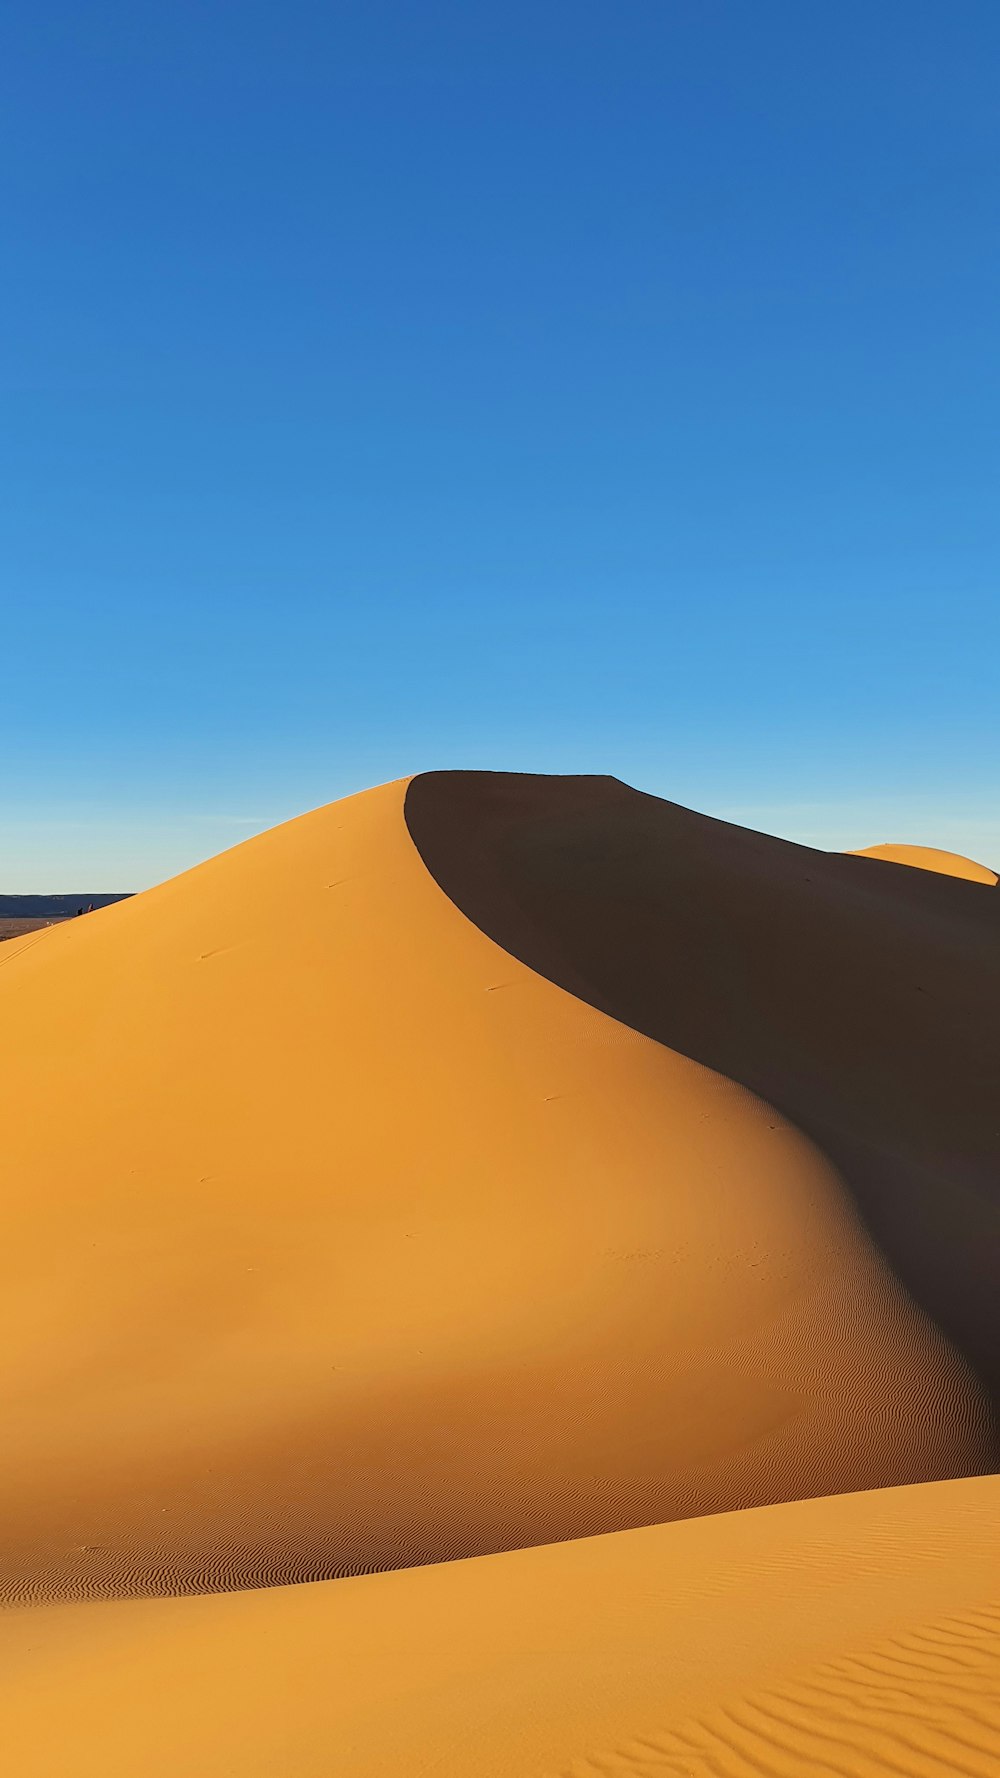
point(335, 1239)
point(858, 1000)
point(856, 1635)
point(948, 864)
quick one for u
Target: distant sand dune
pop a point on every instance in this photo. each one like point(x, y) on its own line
point(948, 864)
point(339, 1239)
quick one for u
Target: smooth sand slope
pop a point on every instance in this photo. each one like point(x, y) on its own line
point(859, 998)
point(857, 1637)
point(948, 864)
point(336, 1238)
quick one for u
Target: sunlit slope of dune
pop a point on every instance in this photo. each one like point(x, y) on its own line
point(947, 864)
point(858, 998)
point(857, 1636)
point(335, 1239)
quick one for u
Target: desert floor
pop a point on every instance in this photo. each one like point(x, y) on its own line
point(17, 928)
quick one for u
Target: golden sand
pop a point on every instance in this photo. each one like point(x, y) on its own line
point(340, 1237)
point(858, 1636)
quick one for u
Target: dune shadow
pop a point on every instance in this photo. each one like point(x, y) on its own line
point(860, 998)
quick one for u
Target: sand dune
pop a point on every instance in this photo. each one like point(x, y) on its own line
point(479, 1165)
point(948, 864)
point(341, 1240)
point(858, 1636)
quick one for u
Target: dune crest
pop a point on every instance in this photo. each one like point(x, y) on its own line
point(341, 1239)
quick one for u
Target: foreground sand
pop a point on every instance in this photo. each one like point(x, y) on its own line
point(858, 1636)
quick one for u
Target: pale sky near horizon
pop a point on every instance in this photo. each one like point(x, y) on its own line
point(549, 387)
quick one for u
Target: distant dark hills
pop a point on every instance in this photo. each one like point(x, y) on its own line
point(52, 907)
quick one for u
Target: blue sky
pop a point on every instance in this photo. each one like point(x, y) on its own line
point(599, 387)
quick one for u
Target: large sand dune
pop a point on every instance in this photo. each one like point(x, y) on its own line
point(476, 1164)
point(339, 1239)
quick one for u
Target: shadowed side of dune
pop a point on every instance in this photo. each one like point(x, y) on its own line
point(859, 997)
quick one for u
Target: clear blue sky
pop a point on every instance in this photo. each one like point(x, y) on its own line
point(555, 386)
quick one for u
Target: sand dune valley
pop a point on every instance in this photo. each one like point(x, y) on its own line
point(500, 1280)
